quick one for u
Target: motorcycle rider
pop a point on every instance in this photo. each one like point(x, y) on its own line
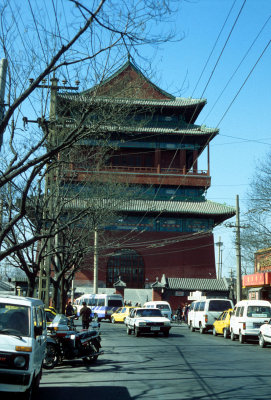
point(85, 313)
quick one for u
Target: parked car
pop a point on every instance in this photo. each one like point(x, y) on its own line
point(144, 320)
point(163, 306)
point(247, 318)
point(121, 314)
point(265, 334)
point(202, 313)
point(222, 324)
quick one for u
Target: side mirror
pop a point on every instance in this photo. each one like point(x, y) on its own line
point(37, 330)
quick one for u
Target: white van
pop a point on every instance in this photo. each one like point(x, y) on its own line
point(22, 344)
point(203, 313)
point(163, 306)
point(247, 318)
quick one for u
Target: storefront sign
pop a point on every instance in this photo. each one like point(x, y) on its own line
point(263, 260)
point(259, 279)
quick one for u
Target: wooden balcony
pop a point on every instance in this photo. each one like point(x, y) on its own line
point(146, 175)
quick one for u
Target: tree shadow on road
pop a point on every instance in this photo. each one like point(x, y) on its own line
point(84, 393)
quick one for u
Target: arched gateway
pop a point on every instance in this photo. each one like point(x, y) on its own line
point(128, 264)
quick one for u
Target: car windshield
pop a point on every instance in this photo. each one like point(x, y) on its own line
point(149, 313)
point(219, 305)
point(163, 306)
point(259, 312)
point(14, 319)
point(60, 319)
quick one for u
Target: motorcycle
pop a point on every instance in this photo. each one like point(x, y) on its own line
point(65, 342)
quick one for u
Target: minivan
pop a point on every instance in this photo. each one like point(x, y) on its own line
point(247, 318)
point(203, 313)
point(163, 306)
point(22, 344)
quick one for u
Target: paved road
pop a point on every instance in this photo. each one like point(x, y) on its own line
point(185, 365)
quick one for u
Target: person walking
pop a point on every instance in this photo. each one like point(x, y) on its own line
point(69, 310)
point(85, 313)
point(179, 315)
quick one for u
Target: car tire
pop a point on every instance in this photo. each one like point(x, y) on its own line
point(214, 332)
point(191, 327)
point(201, 330)
point(166, 333)
point(262, 342)
point(241, 338)
point(225, 333)
point(232, 336)
point(137, 332)
point(128, 330)
point(113, 320)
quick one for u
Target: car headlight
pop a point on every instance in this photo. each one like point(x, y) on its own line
point(142, 324)
point(19, 362)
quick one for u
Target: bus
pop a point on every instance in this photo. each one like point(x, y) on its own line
point(101, 305)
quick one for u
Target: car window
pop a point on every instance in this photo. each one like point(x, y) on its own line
point(201, 306)
point(115, 303)
point(15, 319)
point(123, 310)
point(259, 312)
point(222, 316)
point(237, 311)
point(196, 307)
point(219, 305)
point(101, 302)
point(241, 313)
point(155, 312)
point(163, 306)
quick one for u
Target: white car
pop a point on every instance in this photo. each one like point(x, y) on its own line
point(265, 334)
point(147, 320)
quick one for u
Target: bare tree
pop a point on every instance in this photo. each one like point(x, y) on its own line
point(78, 42)
point(257, 231)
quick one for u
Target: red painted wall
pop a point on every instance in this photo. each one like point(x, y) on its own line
point(185, 255)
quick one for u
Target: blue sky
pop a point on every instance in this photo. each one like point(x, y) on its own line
point(245, 128)
point(245, 135)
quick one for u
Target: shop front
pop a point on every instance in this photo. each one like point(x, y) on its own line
point(258, 285)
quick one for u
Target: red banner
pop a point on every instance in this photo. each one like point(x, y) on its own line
point(259, 279)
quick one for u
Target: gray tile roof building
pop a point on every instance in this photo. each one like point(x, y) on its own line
point(193, 284)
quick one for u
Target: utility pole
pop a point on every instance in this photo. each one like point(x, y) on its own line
point(45, 273)
point(238, 253)
point(95, 262)
point(219, 244)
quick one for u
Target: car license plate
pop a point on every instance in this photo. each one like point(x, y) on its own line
point(155, 328)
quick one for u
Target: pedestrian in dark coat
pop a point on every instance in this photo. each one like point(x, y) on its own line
point(85, 313)
point(69, 310)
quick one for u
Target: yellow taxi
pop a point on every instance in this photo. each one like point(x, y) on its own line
point(222, 325)
point(121, 314)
